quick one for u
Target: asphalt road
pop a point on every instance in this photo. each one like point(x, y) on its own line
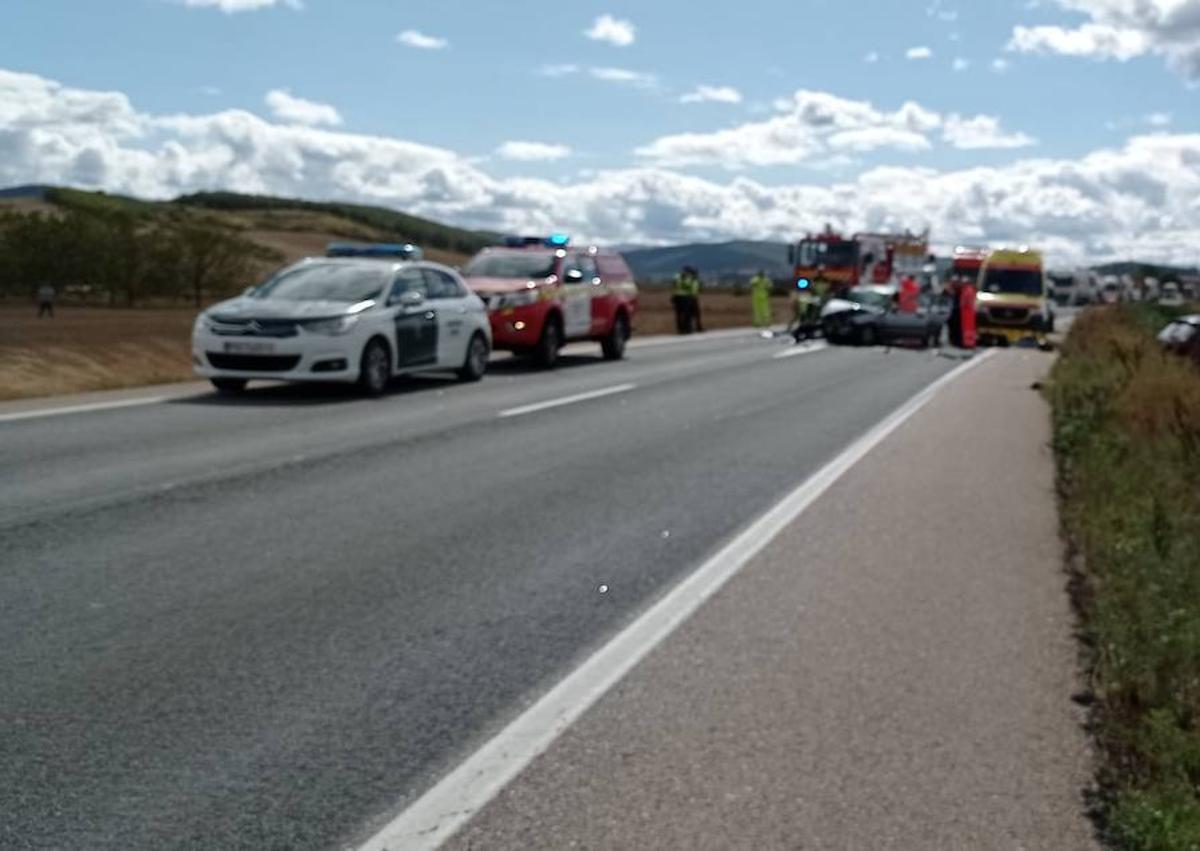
point(270, 622)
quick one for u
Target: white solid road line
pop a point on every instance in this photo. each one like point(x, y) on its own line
point(806, 349)
point(440, 812)
point(81, 409)
point(566, 400)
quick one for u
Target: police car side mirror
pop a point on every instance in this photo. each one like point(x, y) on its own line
point(251, 290)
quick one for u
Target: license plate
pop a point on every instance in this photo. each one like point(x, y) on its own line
point(249, 348)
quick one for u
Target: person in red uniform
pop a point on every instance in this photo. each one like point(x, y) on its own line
point(909, 297)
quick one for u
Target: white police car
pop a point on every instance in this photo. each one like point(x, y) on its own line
point(349, 318)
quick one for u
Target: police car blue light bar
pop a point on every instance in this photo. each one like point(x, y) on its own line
point(386, 250)
point(555, 240)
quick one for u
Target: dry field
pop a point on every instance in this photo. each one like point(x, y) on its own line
point(95, 348)
point(84, 349)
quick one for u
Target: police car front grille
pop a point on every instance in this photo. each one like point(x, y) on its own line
point(253, 363)
point(228, 327)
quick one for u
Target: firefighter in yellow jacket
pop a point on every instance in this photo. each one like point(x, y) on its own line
point(760, 300)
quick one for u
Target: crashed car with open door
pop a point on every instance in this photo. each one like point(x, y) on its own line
point(867, 316)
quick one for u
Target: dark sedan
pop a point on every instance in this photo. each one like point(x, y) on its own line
point(867, 316)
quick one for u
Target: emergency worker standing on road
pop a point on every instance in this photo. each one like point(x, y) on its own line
point(954, 323)
point(908, 299)
point(806, 310)
point(685, 298)
point(45, 300)
point(760, 300)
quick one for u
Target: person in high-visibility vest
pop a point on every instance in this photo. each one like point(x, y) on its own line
point(760, 300)
point(685, 298)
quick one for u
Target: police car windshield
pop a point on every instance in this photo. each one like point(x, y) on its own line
point(1014, 281)
point(327, 282)
point(511, 264)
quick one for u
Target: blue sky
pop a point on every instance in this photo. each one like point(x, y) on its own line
point(489, 85)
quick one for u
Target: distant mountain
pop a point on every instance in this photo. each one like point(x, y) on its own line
point(1144, 270)
point(32, 192)
point(713, 260)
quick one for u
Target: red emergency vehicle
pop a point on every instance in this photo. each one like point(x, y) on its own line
point(967, 262)
point(862, 260)
point(541, 293)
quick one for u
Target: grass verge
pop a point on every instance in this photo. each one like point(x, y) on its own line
point(90, 348)
point(1127, 439)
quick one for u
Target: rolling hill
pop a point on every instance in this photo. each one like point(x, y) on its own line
point(287, 228)
point(714, 261)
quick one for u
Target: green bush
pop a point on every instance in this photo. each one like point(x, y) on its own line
point(1127, 437)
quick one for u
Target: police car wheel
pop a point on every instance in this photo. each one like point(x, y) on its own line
point(546, 353)
point(475, 365)
point(375, 369)
point(229, 386)
point(614, 344)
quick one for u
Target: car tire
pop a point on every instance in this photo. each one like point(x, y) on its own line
point(476, 361)
point(375, 368)
point(229, 386)
point(868, 336)
point(546, 352)
point(613, 345)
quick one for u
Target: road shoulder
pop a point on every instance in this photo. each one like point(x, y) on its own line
point(893, 671)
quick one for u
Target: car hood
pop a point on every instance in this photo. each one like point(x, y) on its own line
point(499, 286)
point(841, 305)
point(244, 307)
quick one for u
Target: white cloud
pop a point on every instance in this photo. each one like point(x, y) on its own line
point(872, 57)
point(812, 127)
point(231, 6)
point(612, 30)
point(918, 53)
point(294, 110)
point(532, 151)
point(1160, 119)
point(961, 64)
point(624, 76)
point(982, 131)
point(1136, 200)
point(712, 94)
point(1122, 30)
point(1097, 41)
point(937, 9)
point(421, 41)
point(564, 70)
point(1000, 65)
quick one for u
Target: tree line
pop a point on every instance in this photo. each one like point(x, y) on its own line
point(122, 259)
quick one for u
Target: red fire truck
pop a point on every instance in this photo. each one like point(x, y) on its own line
point(863, 259)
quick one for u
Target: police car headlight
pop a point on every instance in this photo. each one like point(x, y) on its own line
point(331, 327)
point(201, 324)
